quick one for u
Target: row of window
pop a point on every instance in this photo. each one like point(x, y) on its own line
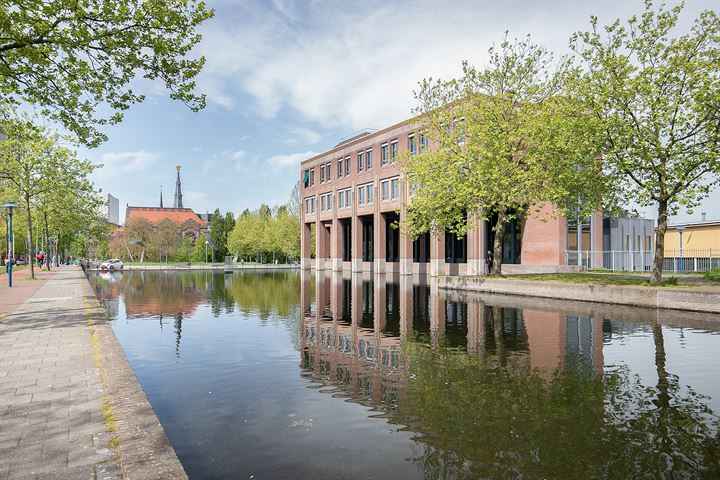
point(388, 155)
point(389, 190)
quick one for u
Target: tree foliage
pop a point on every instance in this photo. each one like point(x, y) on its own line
point(265, 235)
point(70, 57)
point(47, 180)
point(504, 141)
point(658, 96)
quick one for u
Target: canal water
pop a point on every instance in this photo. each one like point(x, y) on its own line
point(291, 375)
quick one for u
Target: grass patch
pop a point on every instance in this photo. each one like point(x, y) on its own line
point(713, 275)
point(108, 415)
point(594, 279)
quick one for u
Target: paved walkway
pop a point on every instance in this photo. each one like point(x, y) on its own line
point(23, 288)
point(51, 425)
point(70, 406)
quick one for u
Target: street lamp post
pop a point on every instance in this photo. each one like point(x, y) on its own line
point(11, 242)
point(680, 230)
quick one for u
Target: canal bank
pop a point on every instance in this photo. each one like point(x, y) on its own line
point(695, 299)
point(212, 267)
point(70, 405)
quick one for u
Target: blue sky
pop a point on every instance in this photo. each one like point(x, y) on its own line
point(285, 80)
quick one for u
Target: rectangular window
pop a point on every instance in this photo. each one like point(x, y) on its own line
point(328, 171)
point(370, 193)
point(361, 162)
point(424, 141)
point(647, 243)
point(460, 131)
point(384, 154)
point(361, 195)
point(340, 167)
point(385, 187)
point(322, 203)
point(312, 177)
point(395, 188)
point(348, 198)
point(368, 158)
point(322, 173)
point(347, 166)
point(330, 201)
point(393, 151)
point(412, 144)
point(341, 199)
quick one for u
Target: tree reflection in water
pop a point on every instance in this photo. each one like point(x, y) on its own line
point(485, 411)
point(486, 390)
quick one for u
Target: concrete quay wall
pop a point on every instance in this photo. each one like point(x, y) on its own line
point(677, 298)
point(213, 267)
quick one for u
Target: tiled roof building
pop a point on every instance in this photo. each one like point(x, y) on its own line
point(190, 224)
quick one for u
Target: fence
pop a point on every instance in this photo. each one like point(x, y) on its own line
point(693, 260)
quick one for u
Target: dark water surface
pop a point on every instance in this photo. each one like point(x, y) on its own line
point(287, 375)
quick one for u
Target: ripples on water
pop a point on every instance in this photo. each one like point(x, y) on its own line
point(288, 375)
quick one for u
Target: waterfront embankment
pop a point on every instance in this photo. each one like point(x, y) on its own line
point(70, 405)
point(689, 298)
point(208, 266)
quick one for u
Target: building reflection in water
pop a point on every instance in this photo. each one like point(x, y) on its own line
point(495, 386)
point(356, 326)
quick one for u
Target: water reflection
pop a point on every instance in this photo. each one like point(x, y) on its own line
point(497, 391)
point(471, 386)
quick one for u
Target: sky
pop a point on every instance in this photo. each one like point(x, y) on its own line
point(286, 80)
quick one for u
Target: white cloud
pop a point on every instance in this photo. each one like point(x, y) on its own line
point(280, 162)
point(237, 154)
point(120, 163)
point(200, 202)
point(302, 135)
point(357, 67)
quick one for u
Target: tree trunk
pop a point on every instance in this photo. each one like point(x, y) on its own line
point(47, 240)
point(500, 227)
point(31, 253)
point(659, 257)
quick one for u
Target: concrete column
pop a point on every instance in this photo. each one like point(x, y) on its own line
point(476, 249)
point(356, 242)
point(336, 245)
point(379, 242)
point(322, 240)
point(406, 248)
point(437, 255)
point(305, 250)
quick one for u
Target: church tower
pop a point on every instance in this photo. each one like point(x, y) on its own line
point(178, 191)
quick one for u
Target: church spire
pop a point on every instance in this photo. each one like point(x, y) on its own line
point(178, 192)
point(161, 205)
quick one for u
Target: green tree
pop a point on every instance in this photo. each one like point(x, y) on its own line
point(659, 99)
point(506, 140)
point(70, 57)
point(36, 165)
point(220, 227)
point(165, 239)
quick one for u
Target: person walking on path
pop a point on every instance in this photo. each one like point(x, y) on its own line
point(40, 257)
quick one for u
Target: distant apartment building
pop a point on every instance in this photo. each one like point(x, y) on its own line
point(353, 195)
point(110, 209)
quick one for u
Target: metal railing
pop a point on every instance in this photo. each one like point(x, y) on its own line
point(691, 260)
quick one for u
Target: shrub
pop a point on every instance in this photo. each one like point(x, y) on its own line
point(713, 275)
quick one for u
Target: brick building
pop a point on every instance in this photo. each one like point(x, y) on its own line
point(353, 194)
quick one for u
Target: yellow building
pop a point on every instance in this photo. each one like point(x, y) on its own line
point(698, 239)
